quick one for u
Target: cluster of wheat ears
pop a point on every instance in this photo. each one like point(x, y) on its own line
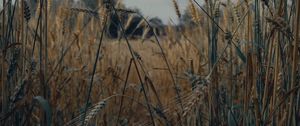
point(236, 62)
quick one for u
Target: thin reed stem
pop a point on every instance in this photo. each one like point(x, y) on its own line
point(94, 70)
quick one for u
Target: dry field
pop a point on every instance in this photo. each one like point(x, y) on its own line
point(228, 63)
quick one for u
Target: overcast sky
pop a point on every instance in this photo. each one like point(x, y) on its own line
point(163, 9)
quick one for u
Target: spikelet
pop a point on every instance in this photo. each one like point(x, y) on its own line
point(280, 24)
point(60, 19)
point(27, 14)
point(90, 114)
point(94, 111)
point(176, 8)
point(237, 14)
point(199, 87)
point(217, 12)
point(279, 87)
point(194, 12)
point(103, 13)
point(196, 100)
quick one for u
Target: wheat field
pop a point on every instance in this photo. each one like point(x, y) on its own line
point(226, 63)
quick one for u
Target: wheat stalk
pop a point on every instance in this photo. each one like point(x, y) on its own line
point(194, 12)
point(94, 111)
point(196, 100)
point(280, 24)
point(175, 4)
point(90, 114)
